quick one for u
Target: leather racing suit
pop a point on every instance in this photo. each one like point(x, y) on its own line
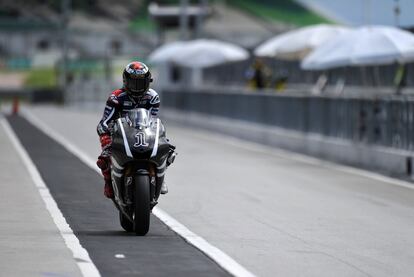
point(117, 105)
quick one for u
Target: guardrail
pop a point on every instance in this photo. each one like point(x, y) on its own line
point(384, 120)
point(369, 76)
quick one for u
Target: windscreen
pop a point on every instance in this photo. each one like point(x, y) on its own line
point(138, 118)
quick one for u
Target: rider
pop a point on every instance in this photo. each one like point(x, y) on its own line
point(135, 93)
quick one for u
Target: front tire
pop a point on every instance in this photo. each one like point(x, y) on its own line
point(142, 207)
point(126, 223)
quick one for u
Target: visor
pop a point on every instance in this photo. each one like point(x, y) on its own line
point(139, 85)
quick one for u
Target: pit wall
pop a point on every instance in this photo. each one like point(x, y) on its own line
point(374, 133)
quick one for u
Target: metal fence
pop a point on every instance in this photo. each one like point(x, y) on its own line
point(385, 120)
point(369, 76)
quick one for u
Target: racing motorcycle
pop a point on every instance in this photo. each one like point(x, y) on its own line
point(140, 154)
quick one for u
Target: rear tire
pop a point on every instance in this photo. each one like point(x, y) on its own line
point(126, 223)
point(142, 207)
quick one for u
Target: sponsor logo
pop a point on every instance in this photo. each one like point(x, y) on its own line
point(136, 68)
point(155, 100)
point(114, 99)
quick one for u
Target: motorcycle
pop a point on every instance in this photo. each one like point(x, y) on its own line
point(140, 154)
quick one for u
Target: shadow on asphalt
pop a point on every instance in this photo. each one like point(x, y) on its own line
point(104, 233)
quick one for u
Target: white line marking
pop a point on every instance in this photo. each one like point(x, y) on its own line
point(116, 164)
point(119, 175)
point(286, 154)
point(120, 256)
point(80, 254)
point(157, 134)
point(126, 146)
point(218, 256)
point(59, 138)
point(221, 258)
point(109, 117)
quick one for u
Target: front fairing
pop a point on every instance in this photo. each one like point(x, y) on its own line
point(139, 142)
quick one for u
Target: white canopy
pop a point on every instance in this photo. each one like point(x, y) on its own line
point(204, 53)
point(199, 53)
point(371, 45)
point(296, 44)
point(166, 52)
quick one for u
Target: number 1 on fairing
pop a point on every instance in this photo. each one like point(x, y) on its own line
point(140, 140)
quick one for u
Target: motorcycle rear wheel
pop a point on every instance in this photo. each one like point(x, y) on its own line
point(142, 207)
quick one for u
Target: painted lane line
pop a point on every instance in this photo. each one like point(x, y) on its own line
point(286, 154)
point(218, 256)
point(60, 139)
point(80, 254)
point(120, 256)
point(221, 258)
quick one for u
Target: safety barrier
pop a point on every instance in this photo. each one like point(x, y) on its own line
point(384, 120)
point(369, 76)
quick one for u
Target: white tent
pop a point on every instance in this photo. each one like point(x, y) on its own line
point(296, 44)
point(371, 45)
point(166, 52)
point(207, 52)
point(199, 53)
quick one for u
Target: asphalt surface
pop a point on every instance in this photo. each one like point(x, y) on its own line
point(77, 189)
point(274, 214)
point(30, 242)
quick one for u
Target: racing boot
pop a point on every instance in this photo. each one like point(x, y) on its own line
point(170, 160)
point(108, 190)
point(103, 164)
point(164, 188)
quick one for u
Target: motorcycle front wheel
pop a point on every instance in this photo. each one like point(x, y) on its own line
point(142, 207)
point(125, 222)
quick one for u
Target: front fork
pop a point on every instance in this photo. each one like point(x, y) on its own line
point(155, 184)
point(156, 175)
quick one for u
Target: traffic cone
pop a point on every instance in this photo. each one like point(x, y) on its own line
point(15, 106)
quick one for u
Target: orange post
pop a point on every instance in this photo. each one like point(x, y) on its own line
point(15, 106)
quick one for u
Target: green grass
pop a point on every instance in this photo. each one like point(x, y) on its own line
point(48, 77)
point(142, 23)
point(41, 78)
point(287, 11)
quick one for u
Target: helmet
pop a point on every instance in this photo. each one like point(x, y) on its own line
point(137, 79)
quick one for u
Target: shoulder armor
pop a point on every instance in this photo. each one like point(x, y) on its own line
point(117, 92)
point(155, 99)
point(114, 97)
